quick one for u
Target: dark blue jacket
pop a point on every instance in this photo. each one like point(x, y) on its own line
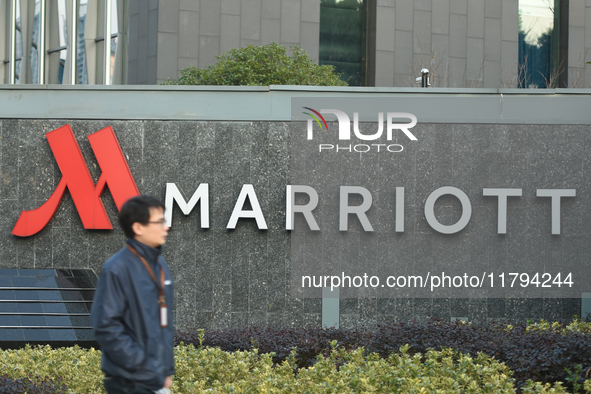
point(126, 318)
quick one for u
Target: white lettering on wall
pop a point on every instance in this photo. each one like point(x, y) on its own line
point(174, 194)
point(240, 213)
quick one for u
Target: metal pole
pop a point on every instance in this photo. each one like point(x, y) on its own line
point(41, 49)
point(12, 68)
point(73, 39)
point(107, 35)
point(425, 78)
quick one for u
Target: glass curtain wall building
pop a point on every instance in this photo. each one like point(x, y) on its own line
point(343, 38)
point(62, 41)
point(500, 44)
point(539, 37)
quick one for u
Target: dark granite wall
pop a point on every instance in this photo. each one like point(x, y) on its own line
point(236, 278)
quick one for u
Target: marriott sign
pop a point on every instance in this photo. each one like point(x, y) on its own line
point(117, 176)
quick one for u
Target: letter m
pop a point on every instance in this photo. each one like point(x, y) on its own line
point(76, 178)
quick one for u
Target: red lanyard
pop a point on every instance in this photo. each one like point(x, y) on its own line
point(162, 299)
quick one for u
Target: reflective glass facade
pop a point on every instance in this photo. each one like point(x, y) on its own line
point(81, 66)
point(343, 34)
point(526, 43)
point(18, 32)
point(539, 64)
point(35, 41)
point(114, 37)
point(51, 41)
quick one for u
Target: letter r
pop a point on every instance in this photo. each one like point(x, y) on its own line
point(76, 177)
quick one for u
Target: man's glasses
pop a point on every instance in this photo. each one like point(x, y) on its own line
point(162, 222)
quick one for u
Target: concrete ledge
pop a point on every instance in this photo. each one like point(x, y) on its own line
point(273, 103)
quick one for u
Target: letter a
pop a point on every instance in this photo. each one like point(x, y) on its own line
point(76, 177)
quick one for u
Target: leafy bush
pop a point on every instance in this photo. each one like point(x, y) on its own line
point(541, 355)
point(280, 341)
point(544, 356)
point(31, 385)
point(212, 370)
point(577, 325)
point(215, 371)
point(261, 66)
point(79, 369)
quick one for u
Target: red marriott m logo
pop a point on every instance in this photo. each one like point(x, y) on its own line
point(76, 177)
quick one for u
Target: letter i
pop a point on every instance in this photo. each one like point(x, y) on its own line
point(399, 209)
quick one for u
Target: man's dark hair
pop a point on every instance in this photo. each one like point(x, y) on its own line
point(137, 209)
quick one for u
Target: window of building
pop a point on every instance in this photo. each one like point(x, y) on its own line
point(81, 67)
point(35, 43)
point(116, 27)
point(114, 38)
point(540, 64)
point(3, 41)
point(19, 44)
point(11, 33)
point(58, 48)
point(61, 41)
point(343, 38)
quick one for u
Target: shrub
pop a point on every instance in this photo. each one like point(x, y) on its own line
point(261, 66)
point(540, 355)
point(215, 371)
point(577, 325)
point(31, 385)
point(212, 370)
point(280, 341)
point(79, 369)
point(544, 356)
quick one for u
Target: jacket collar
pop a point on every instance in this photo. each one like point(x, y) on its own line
point(150, 254)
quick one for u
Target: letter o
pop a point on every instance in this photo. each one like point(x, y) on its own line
point(371, 283)
point(361, 151)
point(403, 281)
point(360, 281)
point(430, 210)
point(396, 145)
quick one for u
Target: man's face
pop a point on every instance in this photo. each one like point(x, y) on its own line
point(154, 232)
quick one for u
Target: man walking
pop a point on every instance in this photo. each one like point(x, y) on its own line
point(132, 310)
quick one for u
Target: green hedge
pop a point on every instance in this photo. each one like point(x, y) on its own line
point(212, 370)
point(541, 352)
point(79, 368)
